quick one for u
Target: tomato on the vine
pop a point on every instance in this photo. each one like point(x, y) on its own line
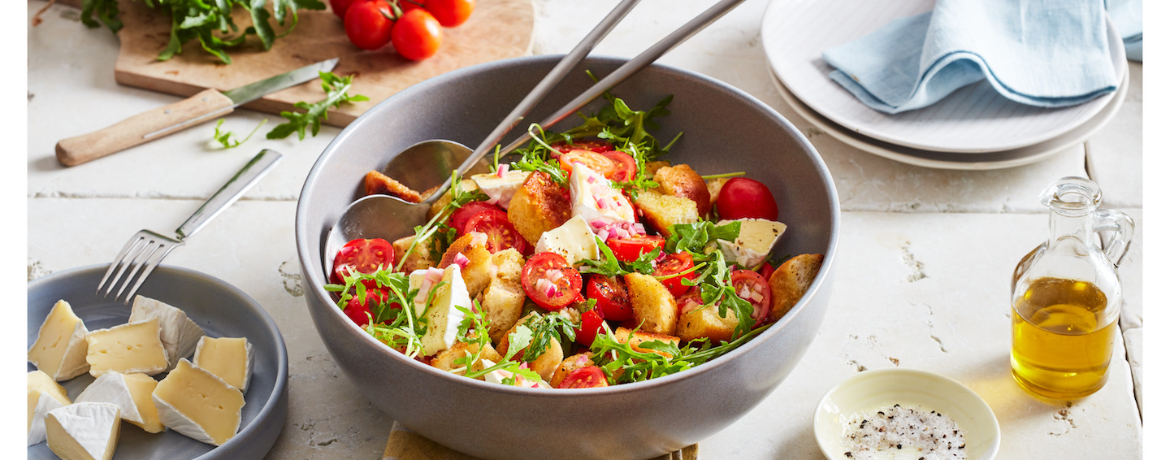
point(362, 256)
point(550, 281)
point(500, 231)
point(407, 5)
point(743, 198)
point(339, 7)
point(628, 249)
point(612, 298)
point(417, 35)
point(674, 264)
point(585, 377)
point(450, 13)
point(368, 24)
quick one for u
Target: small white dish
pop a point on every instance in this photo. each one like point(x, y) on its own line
point(870, 390)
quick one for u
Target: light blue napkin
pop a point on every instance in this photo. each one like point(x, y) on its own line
point(1127, 17)
point(1046, 53)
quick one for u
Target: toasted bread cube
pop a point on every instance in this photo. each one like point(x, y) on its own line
point(503, 300)
point(652, 167)
point(654, 307)
point(420, 259)
point(662, 211)
point(380, 184)
point(706, 322)
point(538, 206)
point(791, 280)
point(714, 186)
point(467, 185)
point(682, 181)
point(636, 339)
point(478, 271)
point(571, 364)
point(445, 360)
point(544, 364)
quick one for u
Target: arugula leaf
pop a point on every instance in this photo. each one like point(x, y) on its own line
point(225, 137)
point(644, 264)
point(692, 237)
point(423, 233)
point(544, 332)
point(390, 322)
point(609, 267)
point(518, 341)
point(336, 92)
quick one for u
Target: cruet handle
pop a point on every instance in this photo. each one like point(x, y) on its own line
point(1116, 230)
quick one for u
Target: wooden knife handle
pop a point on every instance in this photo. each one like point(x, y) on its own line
point(144, 127)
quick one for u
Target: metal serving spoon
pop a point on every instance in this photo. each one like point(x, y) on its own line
point(390, 218)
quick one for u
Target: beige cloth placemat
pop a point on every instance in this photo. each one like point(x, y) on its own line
point(407, 445)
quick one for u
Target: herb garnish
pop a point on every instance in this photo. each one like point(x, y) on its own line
point(390, 322)
point(459, 197)
point(336, 92)
point(693, 237)
point(225, 138)
point(622, 364)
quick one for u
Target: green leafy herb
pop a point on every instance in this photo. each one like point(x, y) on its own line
point(693, 237)
point(644, 264)
point(336, 92)
point(721, 176)
point(423, 233)
point(611, 266)
point(398, 327)
point(225, 138)
point(623, 364)
point(544, 330)
point(716, 290)
point(536, 156)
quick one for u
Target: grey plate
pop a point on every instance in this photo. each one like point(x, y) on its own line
point(222, 311)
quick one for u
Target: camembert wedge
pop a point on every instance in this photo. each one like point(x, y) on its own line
point(60, 347)
point(44, 395)
point(131, 393)
point(178, 333)
point(756, 239)
point(199, 405)
point(84, 431)
point(442, 316)
point(129, 348)
point(573, 240)
point(229, 358)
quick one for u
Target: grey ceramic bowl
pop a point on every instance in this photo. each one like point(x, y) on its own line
point(725, 129)
point(222, 311)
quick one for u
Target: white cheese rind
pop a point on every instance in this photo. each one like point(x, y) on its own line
point(36, 429)
point(111, 388)
point(443, 317)
point(215, 397)
point(586, 195)
point(94, 427)
point(500, 190)
point(574, 241)
point(175, 420)
point(60, 347)
point(178, 333)
point(755, 242)
point(44, 395)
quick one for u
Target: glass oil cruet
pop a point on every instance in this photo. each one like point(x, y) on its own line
point(1066, 296)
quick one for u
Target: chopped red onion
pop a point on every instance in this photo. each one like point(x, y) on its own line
point(501, 170)
point(461, 260)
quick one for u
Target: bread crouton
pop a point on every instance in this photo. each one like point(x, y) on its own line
point(636, 339)
point(652, 167)
point(478, 271)
point(571, 364)
point(682, 181)
point(714, 186)
point(654, 307)
point(503, 300)
point(662, 211)
point(445, 359)
point(544, 364)
point(380, 184)
point(791, 280)
point(538, 206)
point(467, 185)
point(706, 322)
point(420, 259)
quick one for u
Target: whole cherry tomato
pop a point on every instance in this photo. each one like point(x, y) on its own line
point(339, 7)
point(590, 327)
point(361, 256)
point(585, 377)
point(417, 35)
point(628, 249)
point(672, 264)
point(612, 298)
point(550, 281)
point(743, 198)
point(360, 313)
point(450, 13)
point(368, 24)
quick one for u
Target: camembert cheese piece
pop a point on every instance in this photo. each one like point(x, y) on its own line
point(573, 240)
point(595, 199)
point(84, 431)
point(44, 395)
point(60, 347)
point(199, 405)
point(129, 348)
point(443, 317)
point(229, 358)
point(756, 238)
point(131, 393)
point(178, 333)
point(500, 188)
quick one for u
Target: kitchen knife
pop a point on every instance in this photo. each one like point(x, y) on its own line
point(172, 118)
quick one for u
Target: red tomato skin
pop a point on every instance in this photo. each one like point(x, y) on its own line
point(625, 167)
point(362, 256)
point(417, 35)
point(595, 161)
point(407, 5)
point(590, 326)
point(339, 7)
point(612, 298)
point(459, 218)
point(594, 145)
point(450, 13)
point(569, 286)
point(740, 278)
point(628, 249)
point(766, 270)
point(366, 24)
point(743, 198)
point(501, 233)
point(358, 312)
point(585, 377)
point(675, 263)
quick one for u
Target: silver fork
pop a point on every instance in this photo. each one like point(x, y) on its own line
point(146, 249)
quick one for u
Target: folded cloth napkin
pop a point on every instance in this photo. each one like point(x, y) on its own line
point(1127, 17)
point(1046, 53)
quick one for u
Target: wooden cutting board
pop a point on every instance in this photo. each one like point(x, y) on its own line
point(497, 29)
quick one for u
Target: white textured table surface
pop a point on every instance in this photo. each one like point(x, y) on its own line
point(911, 291)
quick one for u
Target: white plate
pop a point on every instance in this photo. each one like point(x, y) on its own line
point(943, 160)
point(870, 390)
point(974, 119)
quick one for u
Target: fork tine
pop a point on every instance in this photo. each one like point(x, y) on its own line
point(118, 258)
point(133, 247)
point(139, 259)
point(151, 264)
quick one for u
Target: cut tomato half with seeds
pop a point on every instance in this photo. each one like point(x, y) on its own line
point(674, 264)
point(585, 377)
point(624, 166)
point(612, 298)
point(752, 287)
point(594, 161)
point(361, 256)
point(550, 281)
point(500, 232)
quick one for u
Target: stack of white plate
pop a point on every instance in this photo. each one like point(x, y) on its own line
point(972, 128)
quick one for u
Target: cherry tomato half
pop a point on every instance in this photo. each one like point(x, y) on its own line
point(368, 24)
point(585, 377)
point(500, 232)
point(460, 217)
point(339, 7)
point(360, 313)
point(361, 256)
point(612, 298)
point(743, 198)
point(590, 326)
point(596, 146)
point(628, 249)
point(676, 263)
point(550, 281)
point(752, 287)
point(595, 161)
point(417, 35)
point(450, 13)
point(624, 165)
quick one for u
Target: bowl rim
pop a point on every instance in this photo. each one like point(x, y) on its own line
point(304, 251)
point(279, 391)
point(920, 376)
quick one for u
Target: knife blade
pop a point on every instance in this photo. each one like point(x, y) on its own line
point(175, 117)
